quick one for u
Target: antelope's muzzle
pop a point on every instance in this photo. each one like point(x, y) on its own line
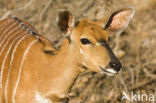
point(116, 66)
point(114, 62)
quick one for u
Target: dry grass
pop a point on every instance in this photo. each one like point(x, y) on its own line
point(138, 43)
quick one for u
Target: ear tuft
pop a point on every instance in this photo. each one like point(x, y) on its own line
point(120, 19)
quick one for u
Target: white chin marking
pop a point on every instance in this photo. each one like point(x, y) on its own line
point(111, 70)
point(109, 74)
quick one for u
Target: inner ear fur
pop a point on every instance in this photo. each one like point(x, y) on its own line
point(65, 21)
point(119, 20)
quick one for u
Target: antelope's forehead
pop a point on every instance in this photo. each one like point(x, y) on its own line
point(92, 30)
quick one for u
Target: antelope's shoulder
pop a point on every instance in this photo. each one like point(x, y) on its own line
point(24, 27)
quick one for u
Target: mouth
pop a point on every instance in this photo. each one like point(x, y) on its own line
point(109, 71)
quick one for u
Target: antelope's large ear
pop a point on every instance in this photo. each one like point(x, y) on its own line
point(119, 20)
point(65, 21)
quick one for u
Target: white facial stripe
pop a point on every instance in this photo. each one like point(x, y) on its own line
point(20, 69)
point(9, 70)
point(81, 51)
point(41, 99)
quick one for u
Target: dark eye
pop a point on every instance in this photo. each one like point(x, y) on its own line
point(85, 41)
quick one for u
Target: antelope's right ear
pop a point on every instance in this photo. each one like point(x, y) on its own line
point(119, 20)
point(65, 21)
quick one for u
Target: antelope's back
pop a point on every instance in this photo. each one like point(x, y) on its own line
point(16, 38)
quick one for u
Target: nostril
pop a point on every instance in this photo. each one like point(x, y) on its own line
point(115, 65)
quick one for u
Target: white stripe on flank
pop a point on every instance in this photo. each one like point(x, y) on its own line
point(20, 69)
point(3, 47)
point(7, 35)
point(4, 23)
point(2, 68)
point(12, 57)
point(7, 28)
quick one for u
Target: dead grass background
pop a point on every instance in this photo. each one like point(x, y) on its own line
point(138, 42)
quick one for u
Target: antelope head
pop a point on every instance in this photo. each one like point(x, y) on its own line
point(88, 39)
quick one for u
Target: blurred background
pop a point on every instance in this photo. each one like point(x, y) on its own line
point(136, 46)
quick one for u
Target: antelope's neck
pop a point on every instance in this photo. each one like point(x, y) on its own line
point(65, 68)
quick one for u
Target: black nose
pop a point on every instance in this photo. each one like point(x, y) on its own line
point(115, 65)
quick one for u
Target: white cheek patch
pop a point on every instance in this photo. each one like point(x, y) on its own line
point(98, 43)
point(41, 99)
point(81, 51)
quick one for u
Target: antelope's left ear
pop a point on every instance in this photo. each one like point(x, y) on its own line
point(119, 20)
point(65, 21)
